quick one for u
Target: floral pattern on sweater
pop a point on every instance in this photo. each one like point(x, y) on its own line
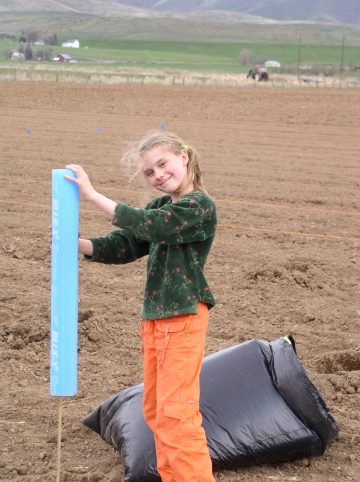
point(177, 237)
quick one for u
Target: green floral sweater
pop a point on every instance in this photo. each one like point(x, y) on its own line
point(177, 237)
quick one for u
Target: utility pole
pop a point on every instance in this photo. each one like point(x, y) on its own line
point(299, 56)
point(342, 58)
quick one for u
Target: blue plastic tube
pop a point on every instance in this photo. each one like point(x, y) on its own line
point(64, 285)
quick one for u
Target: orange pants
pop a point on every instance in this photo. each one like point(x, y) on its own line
point(173, 350)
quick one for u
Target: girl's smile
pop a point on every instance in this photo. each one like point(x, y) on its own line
point(164, 182)
point(167, 172)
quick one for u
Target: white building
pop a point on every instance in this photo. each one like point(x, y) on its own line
point(71, 43)
point(272, 63)
point(17, 56)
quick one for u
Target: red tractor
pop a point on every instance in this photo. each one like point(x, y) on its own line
point(260, 74)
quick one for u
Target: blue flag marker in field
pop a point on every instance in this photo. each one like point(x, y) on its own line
point(162, 127)
point(28, 131)
point(99, 129)
point(64, 285)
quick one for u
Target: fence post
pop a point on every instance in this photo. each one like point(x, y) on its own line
point(15, 74)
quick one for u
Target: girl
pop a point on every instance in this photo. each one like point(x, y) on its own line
point(176, 231)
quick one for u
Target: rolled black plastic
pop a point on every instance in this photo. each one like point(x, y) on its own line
point(258, 406)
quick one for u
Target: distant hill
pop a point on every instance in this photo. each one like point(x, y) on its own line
point(222, 11)
point(241, 21)
point(333, 11)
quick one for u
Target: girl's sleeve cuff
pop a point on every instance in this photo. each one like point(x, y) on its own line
point(116, 216)
point(96, 244)
point(124, 215)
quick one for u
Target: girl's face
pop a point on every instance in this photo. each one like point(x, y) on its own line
point(167, 172)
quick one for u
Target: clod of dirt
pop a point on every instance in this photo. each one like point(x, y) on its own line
point(79, 395)
point(77, 470)
point(350, 390)
point(17, 344)
point(18, 255)
point(354, 379)
point(22, 470)
point(346, 360)
point(96, 336)
point(302, 463)
point(301, 279)
point(37, 334)
point(85, 314)
point(41, 471)
point(54, 437)
point(308, 318)
point(338, 382)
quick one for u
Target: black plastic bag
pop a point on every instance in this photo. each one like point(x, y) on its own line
point(258, 406)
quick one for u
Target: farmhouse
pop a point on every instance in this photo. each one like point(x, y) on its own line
point(17, 56)
point(62, 58)
point(71, 43)
point(272, 63)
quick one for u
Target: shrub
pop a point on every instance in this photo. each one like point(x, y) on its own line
point(28, 52)
point(246, 57)
point(7, 53)
point(33, 36)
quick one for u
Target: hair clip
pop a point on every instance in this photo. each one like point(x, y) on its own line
point(184, 146)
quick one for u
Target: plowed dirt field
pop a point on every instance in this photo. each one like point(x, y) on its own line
point(284, 168)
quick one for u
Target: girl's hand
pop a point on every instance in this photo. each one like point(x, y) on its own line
point(50, 236)
point(88, 192)
point(82, 181)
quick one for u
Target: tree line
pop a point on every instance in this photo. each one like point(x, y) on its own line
point(26, 44)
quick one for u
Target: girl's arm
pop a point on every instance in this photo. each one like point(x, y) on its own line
point(117, 247)
point(191, 219)
point(87, 191)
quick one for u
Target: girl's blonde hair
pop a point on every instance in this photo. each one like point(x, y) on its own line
point(172, 143)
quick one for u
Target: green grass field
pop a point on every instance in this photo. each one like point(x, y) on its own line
point(196, 56)
point(208, 53)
